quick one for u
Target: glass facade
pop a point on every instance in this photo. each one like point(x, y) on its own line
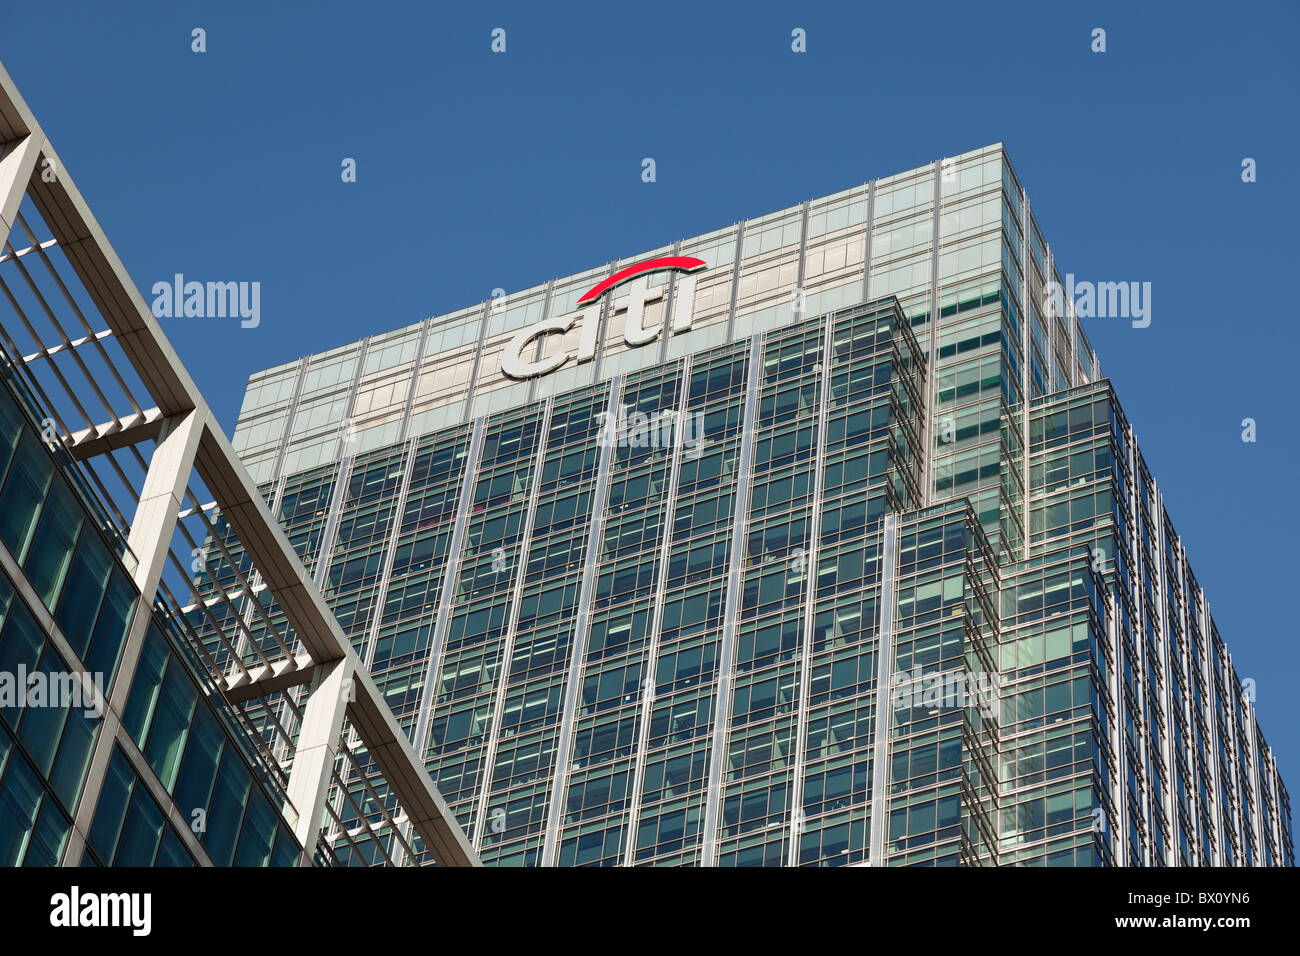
point(860, 565)
point(178, 783)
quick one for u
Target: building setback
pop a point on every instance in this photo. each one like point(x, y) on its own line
point(898, 588)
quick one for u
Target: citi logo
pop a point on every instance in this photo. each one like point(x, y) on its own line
point(638, 294)
point(76, 909)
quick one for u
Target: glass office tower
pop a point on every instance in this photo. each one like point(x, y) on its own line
point(816, 540)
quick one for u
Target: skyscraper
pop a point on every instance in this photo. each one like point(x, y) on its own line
point(820, 539)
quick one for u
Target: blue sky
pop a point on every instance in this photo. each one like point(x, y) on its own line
point(478, 170)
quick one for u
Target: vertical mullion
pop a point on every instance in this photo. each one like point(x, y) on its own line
point(289, 413)
point(669, 294)
point(546, 314)
point(478, 362)
point(367, 652)
point(735, 585)
point(420, 346)
point(1165, 693)
point(656, 626)
point(512, 625)
point(1211, 726)
point(866, 242)
point(1026, 363)
point(735, 281)
point(811, 557)
point(889, 538)
point(800, 294)
point(582, 623)
point(451, 571)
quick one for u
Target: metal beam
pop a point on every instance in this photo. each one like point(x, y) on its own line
point(150, 541)
point(129, 430)
point(197, 439)
point(162, 496)
point(318, 743)
point(17, 162)
point(262, 681)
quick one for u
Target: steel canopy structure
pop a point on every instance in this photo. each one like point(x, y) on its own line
point(129, 417)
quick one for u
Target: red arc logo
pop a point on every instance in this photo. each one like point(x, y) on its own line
point(685, 263)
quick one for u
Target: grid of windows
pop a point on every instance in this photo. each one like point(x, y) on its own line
point(574, 711)
point(180, 735)
point(944, 723)
point(641, 644)
point(66, 603)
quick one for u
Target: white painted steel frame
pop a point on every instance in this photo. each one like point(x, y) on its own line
point(192, 439)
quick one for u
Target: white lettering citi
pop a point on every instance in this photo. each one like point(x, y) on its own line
point(635, 296)
point(76, 909)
